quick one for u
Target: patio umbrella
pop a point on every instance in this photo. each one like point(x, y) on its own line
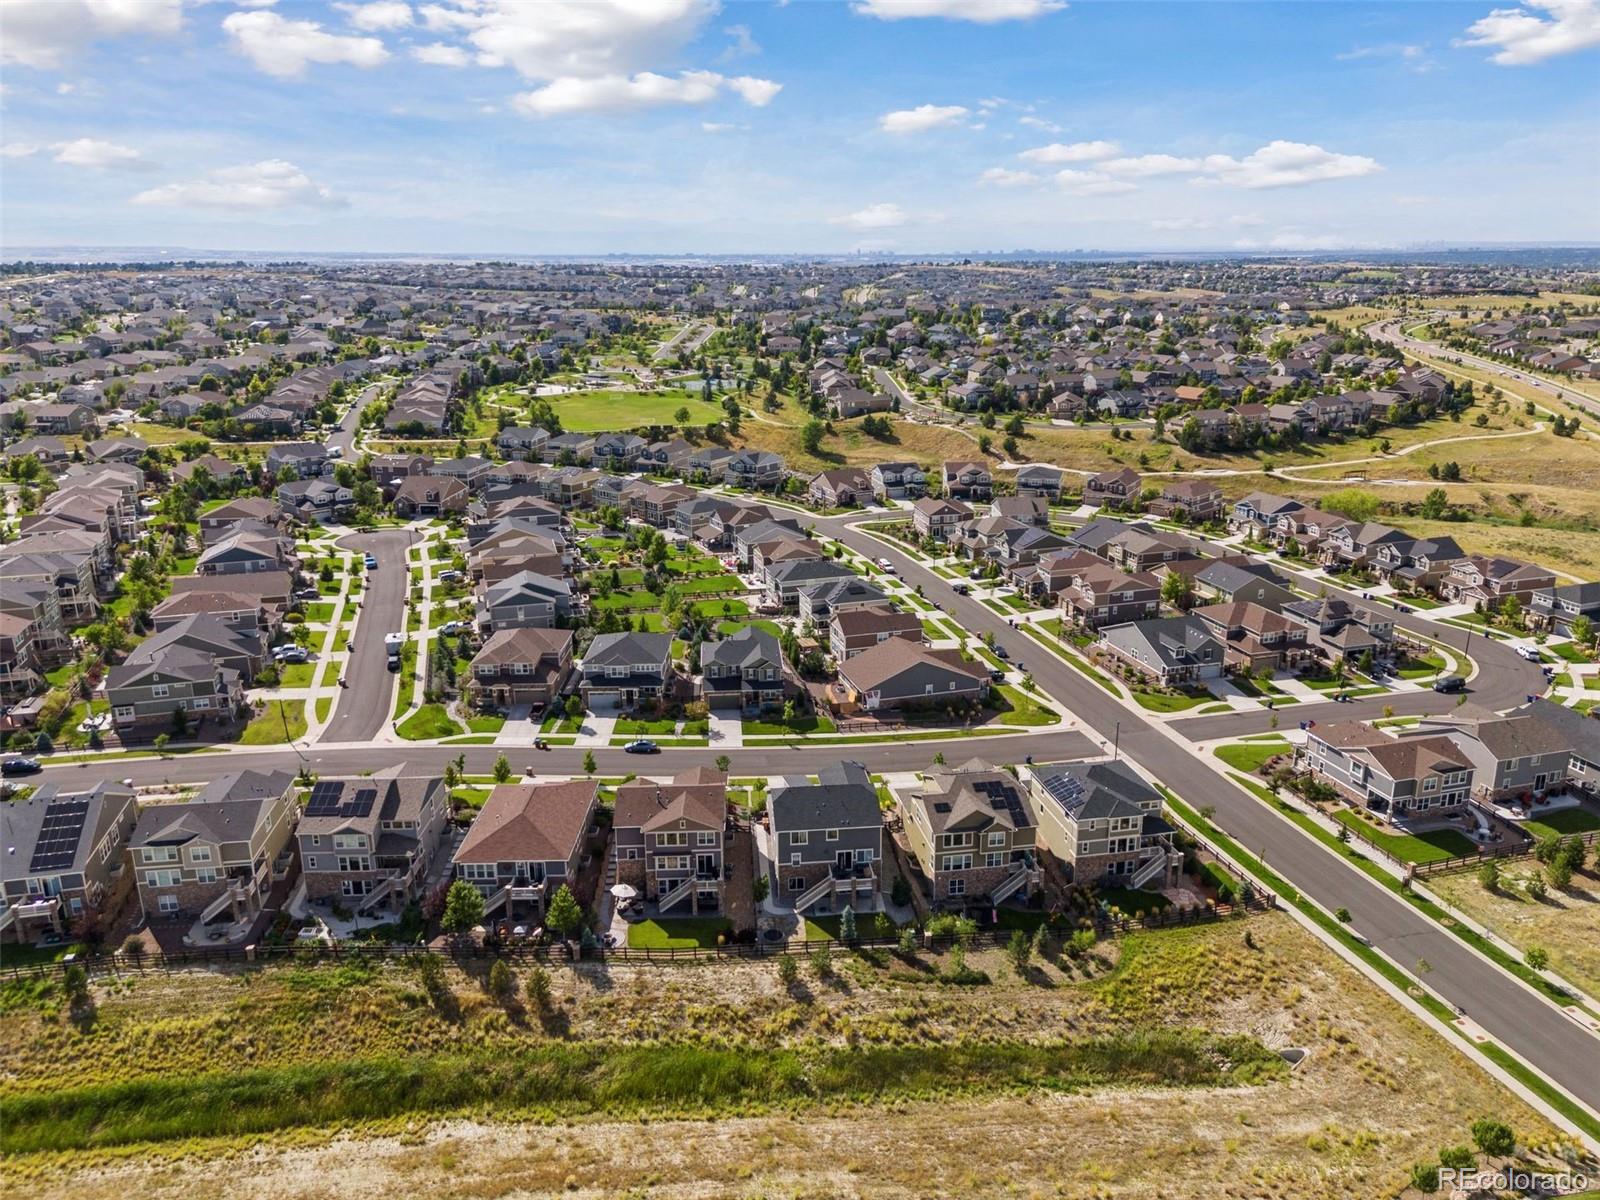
point(623, 891)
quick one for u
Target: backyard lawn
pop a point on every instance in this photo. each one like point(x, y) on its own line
point(281, 721)
point(676, 933)
point(1562, 821)
point(1433, 846)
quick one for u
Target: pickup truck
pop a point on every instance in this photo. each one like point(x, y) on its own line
point(393, 641)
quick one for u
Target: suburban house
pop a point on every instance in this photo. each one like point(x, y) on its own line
point(526, 842)
point(1515, 759)
point(820, 601)
point(1232, 581)
point(1491, 581)
point(668, 839)
point(854, 629)
point(523, 601)
point(302, 460)
point(938, 518)
point(522, 666)
point(758, 470)
point(1401, 777)
point(1103, 823)
point(430, 496)
point(1039, 479)
point(214, 857)
point(898, 481)
point(787, 580)
point(1254, 514)
point(521, 441)
point(1419, 563)
point(1194, 500)
point(826, 839)
point(147, 694)
point(314, 499)
point(1254, 639)
point(964, 480)
point(974, 834)
point(1338, 629)
point(744, 670)
point(371, 843)
point(843, 487)
point(1554, 609)
point(899, 673)
point(1168, 651)
point(63, 858)
point(1095, 593)
point(1117, 489)
point(622, 670)
point(243, 553)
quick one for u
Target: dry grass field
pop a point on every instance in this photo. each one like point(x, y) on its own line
point(1567, 924)
point(1375, 1093)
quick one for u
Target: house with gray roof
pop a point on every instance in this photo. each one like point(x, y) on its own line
point(1168, 651)
point(826, 840)
point(1103, 823)
point(745, 670)
point(623, 670)
point(371, 843)
point(62, 858)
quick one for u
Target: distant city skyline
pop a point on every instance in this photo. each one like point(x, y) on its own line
point(660, 127)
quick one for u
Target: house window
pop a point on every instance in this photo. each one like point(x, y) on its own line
point(794, 860)
point(167, 904)
point(162, 878)
point(123, 711)
point(800, 838)
point(705, 838)
point(349, 841)
point(997, 839)
point(632, 854)
point(832, 835)
point(994, 859)
point(200, 702)
point(206, 875)
point(354, 862)
point(797, 883)
point(158, 854)
point(863, 856)
point(158, 690)
point(956, 887)
point(672, 839)
point(199, 854)
point(483, 872)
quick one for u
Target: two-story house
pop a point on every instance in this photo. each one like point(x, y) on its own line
point(1096, 594)
point(1491, 581)
point(1116, 489)
point(1403, 778)
point(214, 857)
point(147, 693)
point(826, 840)
point(1338, 629)
point(622, 670)
point(668, 839)
point(62, 858)
point(744, 670)
point(939, 518)
point(856, 628)
point(963, 479)
point(1103, 823)
point(1254, 639)
point(522, 666)
point(758, 470)
point(1193, 500)
point(1168, 651)
point(898, 481)
point(370, 843)
point(1555, 609)
point(525, 600)
point(526, 842)
point(973, 832)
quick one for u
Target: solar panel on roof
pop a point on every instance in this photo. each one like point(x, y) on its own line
point(361, 805)
point(324, 799)
point(62, 827)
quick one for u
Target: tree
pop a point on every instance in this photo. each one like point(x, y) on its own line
point(822, 961)
point(1425, 1177)
point(811, 435)
point(502, 769)
point(723, 762)
point(1458, 1158)
point(1560, 874)
point(564, 914)
point(1582, 630)
point(788, 971)
point(574, 707)
point(847, 924)
point(463, 908)
point(1020, 951)
point(501, 984)
point(1489, 876)
point(1494, 1138)
point(588, 762)
point(1177, 589)
point(536, 987)
point(1538, 957)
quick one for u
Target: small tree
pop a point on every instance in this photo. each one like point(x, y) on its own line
point(162, 741)
point(1538, 957)
point(847, 924)
point(1560, 874)
point(536, 987)
point(788, 971)
point(723, 762)
point(564, 915)
point(1342, 915)
point(501, 984)
point(574, 707)
point(1489, 876)
point(822, 961)
point(1494, 1138)
point(1425, 1177)
point(1458, 1158)
point(502, 769)
point(588, 762)
point(1536, 889)
point(1020, 951)
point(463, 908)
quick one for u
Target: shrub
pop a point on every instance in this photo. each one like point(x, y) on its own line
point(1489, 876)
point(1458, 1158)
point(501, 983)
point(1020, 951)
point(1538, 957)
point(1425, 1177)
point(1494, 1138)
point(822, 961)
point(908, 942)
point(788, 971)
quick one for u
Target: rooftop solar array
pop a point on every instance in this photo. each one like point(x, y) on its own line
point(59, 835)
point(1064, 788)
point(329, 798)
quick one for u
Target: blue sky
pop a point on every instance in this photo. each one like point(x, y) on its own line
point(641, 126)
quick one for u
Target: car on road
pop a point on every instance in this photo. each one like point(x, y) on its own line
point(20, 766)
point(291, 654)
point(371, 561)
point(961, 589)
point(642, 746)
point(1001, 652)
point(885, 565)
point(1399, 608)
point(1530, 653)
point(1450, 683)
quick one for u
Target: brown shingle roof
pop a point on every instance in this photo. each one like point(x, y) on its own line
point(530, 822)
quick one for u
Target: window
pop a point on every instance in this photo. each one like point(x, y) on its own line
point(800, 838)
point(705, 838)
point(956, 862)
point(167, 904)
point(994, 859)
point(199, 854)
point(355, 887)
point(206, 875)
point(672, 839)
point(632, 854)
point(158, 854)
point(123, 712)
point(794, 860)
point(997, 838)
point(956, 887)
point(200, 702)
point(349, 841)
point(158, 690)
point(483, 872)
point(797, 883)
point(832, 835)
point(162, 878)
point(521, 668)
point(863, 856)
point(354, 862)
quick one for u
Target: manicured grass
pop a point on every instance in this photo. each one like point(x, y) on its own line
point(296, 674)
point(726, 628)
point(429, 721)
point(677, 933)
point(1132, 900)
point(1571, 652)
point(778, 727)
point(1432, 846)
point(1251, 757)
point(721, 608)
point(486, 724)
point(324, 707)
point(319, 612)
point(1166, 703)
point(1420, 668)
point(708, 585)
point(641, 728)
point(1563, 821)
point(281, 721)
point(609, 410)
point(1023, 709)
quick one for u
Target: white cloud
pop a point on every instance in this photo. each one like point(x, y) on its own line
point(1058, 152)
point(1179, 223)
point(1286, 164)
point(262, 186)
point(620, 93)
point(1091, 183)
point(379, 15)
point(284, 48)
point(1146, 166)
point(873, 216)
point(757, 93)
point(19, 150)
point(983, 12)
point(560, 39)
point(99, 155)
point(718, 126)
point(1522, 37)
point(1007, 178)
point(743, 45)
point(1039, 123)
point(48, 33)
point(439, 54)
point(921, 118)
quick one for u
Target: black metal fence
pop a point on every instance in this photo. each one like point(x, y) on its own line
point(466, 951)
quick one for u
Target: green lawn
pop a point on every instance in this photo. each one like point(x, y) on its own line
point(1250, 758)
point(605, 410)
point(429, 721)
point(269, 728)
point(1414, 667)
point(1433, 846)
point(777, 727)
point(637, 728)
point(721, 608)
point(1571, 652)
point(676, 933)
point(726, 628)
point(324, 706)
point(708, 584)
point(1563, 821)
point(1131, 900)
point(1164, 702)
point(1022, 709)
point(296, 674)
point(486, 724)
point(319, 612)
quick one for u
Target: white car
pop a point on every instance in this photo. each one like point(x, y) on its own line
point(885, 565)
point(1530, 653)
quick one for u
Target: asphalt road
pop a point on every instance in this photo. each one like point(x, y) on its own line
point(367, 704)
point(1392, 330)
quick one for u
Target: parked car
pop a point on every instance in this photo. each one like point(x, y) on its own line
point(394, 661)
point(371, 561)
point(291, 654)
point(1001, 652)
point(1531, 653)
point(450, 576)
point(309, 593)
point(1450, 683)
point(452, 627)
point(642, 746)
point(997, 675)
point(20, 766)
point(961, 589)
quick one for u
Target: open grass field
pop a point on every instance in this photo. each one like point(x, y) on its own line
point(319, 1081)
point(280, 722)
point(606, 410)
point(1567, 924)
